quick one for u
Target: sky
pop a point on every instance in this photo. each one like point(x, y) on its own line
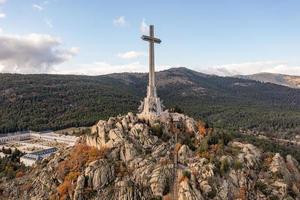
point(223, 37)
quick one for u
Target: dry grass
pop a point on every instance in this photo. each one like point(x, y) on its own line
point(20, 174)
point(70, 169)
point(167, 197)
point(202, 129)
point(177, 147)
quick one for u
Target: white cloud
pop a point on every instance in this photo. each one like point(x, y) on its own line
point(37, 7)
point(2, 15)
point(2, 1)
point(131, 54)
point(120, 21)
point(33, 53)
point(1, 30)
point(252, 68)
point(49, 23)
point(144, 28)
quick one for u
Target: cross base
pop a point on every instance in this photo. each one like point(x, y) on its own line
point(151, 107)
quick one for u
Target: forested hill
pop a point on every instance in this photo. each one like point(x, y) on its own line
point(279, 79)
point(42, 102)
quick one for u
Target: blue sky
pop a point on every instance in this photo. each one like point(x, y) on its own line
point(224, 37)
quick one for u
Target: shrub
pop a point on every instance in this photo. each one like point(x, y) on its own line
point(70, 169)
point(167, 197)
point(26, 187)
point(237, 165)
point(177, 147)
point(203, 146)
point(206, 155)
point(261, 186)
point(243, 193)
point(20, 174)
point(157, 129)
point(63, 189)
point(273, 197)
point(212, 193)
point(224, 166)
point(202, 128)
point(221, 167)
point(278, 175)
point(187, 174)
point(176, 109)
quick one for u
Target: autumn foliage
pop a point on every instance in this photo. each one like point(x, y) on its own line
point(69, 169)
point(177, 147)
point(20, 174)
point(242, 193)
point(167, 197)
point(202, 128)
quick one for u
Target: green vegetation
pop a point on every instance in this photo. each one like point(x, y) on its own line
point(262, 187)
point(157, 129)
point(69, 169)
point(269, 146)
point(10, 166)
point(41, 102)
point(237, 165)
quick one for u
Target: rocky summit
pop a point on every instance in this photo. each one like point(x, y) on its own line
point(176, 157)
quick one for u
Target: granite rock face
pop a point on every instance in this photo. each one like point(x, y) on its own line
point(139, 165)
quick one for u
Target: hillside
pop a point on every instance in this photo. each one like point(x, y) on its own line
point(42, 102)
point(279, 79)
point(125, 158)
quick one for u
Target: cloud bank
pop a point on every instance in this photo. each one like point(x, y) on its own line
point(253, 68)
point(33, 53)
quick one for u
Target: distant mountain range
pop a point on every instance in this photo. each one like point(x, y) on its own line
point(42, 102)
point(279, 79)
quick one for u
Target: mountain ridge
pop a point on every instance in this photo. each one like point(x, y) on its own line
point(279, 79)
point(56, 101)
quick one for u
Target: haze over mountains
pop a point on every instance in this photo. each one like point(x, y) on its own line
point(279, 79)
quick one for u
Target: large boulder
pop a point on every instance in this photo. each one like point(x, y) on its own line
point(99, 173)
point(184, 153)
point(188, 191)
point(126, 190)
point(160, 179)
point(78, 193)
point(140, 133)
point(128, 152)
point(249, 156)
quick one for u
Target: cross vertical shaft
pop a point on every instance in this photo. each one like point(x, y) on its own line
point(151, 39)
point(151, 62)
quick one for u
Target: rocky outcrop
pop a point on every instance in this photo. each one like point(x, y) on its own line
point(99, 173)
point(139, 165)
point(126, 190)
point(160, 179)
point(188, 190)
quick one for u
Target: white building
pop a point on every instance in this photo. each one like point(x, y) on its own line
point(31, 158)
point(32, 143)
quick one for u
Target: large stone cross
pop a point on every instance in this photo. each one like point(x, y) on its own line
point(151, 107)
point(151, 39)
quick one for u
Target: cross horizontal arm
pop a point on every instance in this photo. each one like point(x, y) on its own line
point(150, 39)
